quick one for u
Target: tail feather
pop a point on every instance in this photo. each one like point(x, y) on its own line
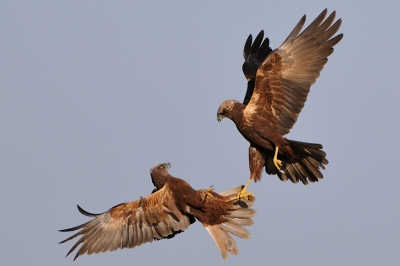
point(310, 159)
point(242, 213)
point(231, 193)
point(224, 241)
point(312, 168)
point(236, 229)
point(304, 150)
point(243, 221)
point(240, 216)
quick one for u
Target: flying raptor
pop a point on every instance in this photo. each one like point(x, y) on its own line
point(278, 84)
point(169, 210)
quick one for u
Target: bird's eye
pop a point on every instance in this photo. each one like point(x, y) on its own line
point(161, 167)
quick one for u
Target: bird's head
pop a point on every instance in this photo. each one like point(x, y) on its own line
point(162, 167)
point(225, 109)
point(159, 175)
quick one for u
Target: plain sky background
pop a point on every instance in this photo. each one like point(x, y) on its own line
point(93, 94)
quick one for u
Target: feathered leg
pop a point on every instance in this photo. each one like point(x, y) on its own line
point(256, 164)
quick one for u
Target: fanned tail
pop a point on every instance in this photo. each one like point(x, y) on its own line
point(236, 220)
point(310, 159)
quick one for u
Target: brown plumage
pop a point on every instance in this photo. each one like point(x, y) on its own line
point(169, 210)
point(276, 93)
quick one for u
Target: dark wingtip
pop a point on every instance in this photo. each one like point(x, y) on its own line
point(254, 54)
point(72, 228)
point(260, 35)
point(86, 213)
point(247, 47)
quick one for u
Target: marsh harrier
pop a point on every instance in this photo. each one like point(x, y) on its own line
point(169, 210)
point(278, 84)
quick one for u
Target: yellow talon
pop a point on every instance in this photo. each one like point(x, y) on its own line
point(242, 194)
point(211, 188)
point(208, 193)
point(277, 163)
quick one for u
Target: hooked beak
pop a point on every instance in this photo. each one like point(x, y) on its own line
point(220, 117)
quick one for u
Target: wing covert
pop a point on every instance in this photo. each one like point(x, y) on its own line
point(284, 78)
point(130, 224)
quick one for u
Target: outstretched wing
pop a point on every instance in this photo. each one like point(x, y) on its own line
point(130, 224)
point(284, 79)
point(254, 54)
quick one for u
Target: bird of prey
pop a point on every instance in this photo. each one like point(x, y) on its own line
point(278, 84)
point(169, 210)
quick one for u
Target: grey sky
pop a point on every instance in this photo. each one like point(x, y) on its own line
point(95, 94)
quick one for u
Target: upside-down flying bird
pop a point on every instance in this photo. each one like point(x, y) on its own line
point(278, 84)
point(169, 210)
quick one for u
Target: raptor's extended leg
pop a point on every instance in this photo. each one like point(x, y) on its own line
point(277, 163)
point(242, 194)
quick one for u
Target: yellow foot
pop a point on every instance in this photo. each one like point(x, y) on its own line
point(277, 163)
point(208, 193)
point(242, 194)
point(211, 188)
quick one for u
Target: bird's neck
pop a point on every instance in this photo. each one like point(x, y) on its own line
point(160, 180)
point(236, 114)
